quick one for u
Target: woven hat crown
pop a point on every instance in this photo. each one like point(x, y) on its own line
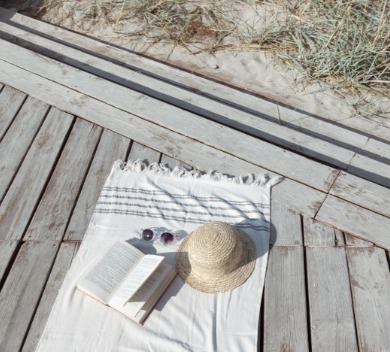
point(216, 257)
point(215, 249)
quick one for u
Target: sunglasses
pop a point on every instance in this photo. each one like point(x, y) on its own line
point(165, 237)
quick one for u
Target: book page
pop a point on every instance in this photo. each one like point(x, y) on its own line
point(107, 274)
point(139, 275)
point(150, 287)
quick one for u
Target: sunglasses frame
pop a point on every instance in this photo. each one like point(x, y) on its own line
point(158, 235)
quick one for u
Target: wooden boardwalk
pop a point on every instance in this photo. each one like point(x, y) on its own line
point(70, 106)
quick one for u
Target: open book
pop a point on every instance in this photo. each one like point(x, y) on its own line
point(127, 280)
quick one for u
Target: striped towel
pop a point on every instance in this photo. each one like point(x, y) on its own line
point(135, 197)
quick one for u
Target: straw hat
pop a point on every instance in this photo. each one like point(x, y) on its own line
point(216, 257)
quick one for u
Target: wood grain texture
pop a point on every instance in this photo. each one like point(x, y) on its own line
point(356, 221)
point(19, 203)
point(286, 229)
point(370, 282)
point(362, 192)
point(172, 163)
point(331, 132)
point(353, 241)
point(143, 153)
point(373, 129)
point(373, 170)
point(22, 290)
point(196, 154)
point(331, 315)
point(111, 148)
point(61, 265)
point(285, 318)
point(7, 251)
point(63, 188)
point(18, 139)
point(317, 234)
point(219, 136)
point(154, 91)
point(153, 68)
point(10, 102)
point(165, 73)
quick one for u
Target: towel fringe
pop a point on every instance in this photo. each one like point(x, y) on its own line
point(161, 169)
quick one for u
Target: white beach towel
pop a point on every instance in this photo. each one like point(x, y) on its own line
point(136, 197)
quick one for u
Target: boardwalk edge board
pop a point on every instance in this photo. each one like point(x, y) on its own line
point(246, 147)
point(337, 153)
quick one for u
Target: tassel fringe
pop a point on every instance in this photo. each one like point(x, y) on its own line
point(160, 169)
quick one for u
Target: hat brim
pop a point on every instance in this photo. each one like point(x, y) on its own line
point(224, 283)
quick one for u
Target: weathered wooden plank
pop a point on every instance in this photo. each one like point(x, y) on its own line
point(22, 290)
point(10, 102)
point(362, 192)
point(111, 148)
point(355, 220)
point(372, 129)
point(65, 183)
point(19, 203)
point(373, 170)
point(172, 163)
point(378, 148)
point(293, 194)
point(285, 318)
point(185, 80)
point(370, 282)
point(18, 139)
point(189, 101)
point(143, 153)
point(61, 265)
point(353, 241)
point(286, 229)
point(317, 234)
point(332, 132)
point(331, 314)
point(7, 251)
point(153, 68)
point(186, 123)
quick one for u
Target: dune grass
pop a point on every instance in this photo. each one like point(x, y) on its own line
point(344, 45)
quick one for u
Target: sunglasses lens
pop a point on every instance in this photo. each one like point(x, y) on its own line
point(147, 235)
point(166, 238)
